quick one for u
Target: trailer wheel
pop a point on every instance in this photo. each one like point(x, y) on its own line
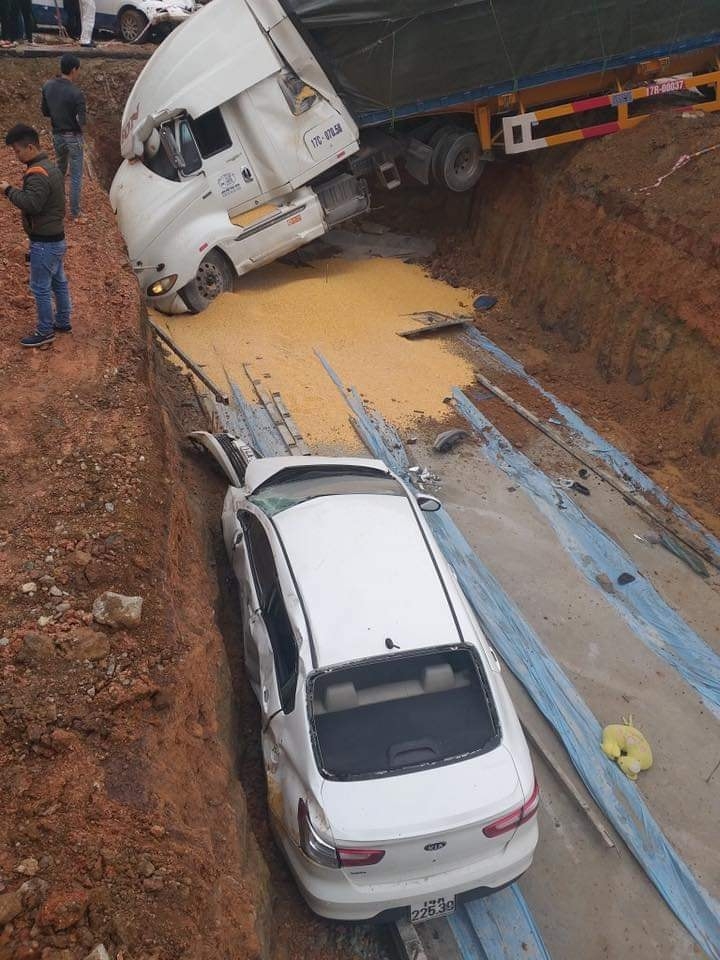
point(459, 162)
point(131, 24)
point(439, 141)
point(214, 276)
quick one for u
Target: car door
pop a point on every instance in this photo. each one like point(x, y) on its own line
point(249, 599)
point(260, 599)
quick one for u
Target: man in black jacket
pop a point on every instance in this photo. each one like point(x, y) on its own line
point(64, 102)
point(42, 203)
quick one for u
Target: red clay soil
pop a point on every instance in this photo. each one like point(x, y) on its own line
point(106, 84)
point(123, 820)
point(118, 821)
point(609, 292)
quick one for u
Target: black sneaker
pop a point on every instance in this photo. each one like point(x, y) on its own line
point(37, 339)
point(67, 329)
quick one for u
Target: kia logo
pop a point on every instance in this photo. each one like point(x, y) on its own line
point(435, 846)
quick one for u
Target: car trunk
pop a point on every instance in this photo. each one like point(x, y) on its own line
point(411, 815)
point(410, 749)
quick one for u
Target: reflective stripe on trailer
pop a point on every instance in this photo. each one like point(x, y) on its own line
point(519, 130)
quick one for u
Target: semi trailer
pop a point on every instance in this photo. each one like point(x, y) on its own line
point(259, 124)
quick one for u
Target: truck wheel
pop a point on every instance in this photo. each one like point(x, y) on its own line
point(460, 161)
point(131, 24)
point(439, 141)
point(214, 276)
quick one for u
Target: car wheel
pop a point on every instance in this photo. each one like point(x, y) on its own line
point(460, 161)
point(214, 276)
point(131, 25)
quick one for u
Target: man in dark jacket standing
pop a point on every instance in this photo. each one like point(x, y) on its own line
point(42, 202)
point(64, 102)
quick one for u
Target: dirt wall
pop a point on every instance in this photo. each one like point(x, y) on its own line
point(604, 257)
point(123, 819)
point(626, 274)
point(106, 85)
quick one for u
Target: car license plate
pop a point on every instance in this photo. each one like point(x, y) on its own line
point(430, 909)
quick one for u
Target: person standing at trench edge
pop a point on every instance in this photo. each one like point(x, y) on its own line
point(64, 102)
point(87, 17)
point(42, 202)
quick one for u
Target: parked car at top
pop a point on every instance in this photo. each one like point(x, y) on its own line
point(399, 778)
point(129, 19)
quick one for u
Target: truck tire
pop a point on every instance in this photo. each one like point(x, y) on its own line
point(459, 162)
point(439, 141)
point(131, 24)
point(214, 276)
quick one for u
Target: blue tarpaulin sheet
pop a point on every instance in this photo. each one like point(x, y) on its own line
point(594, 553)
point(593, 443)
point(499, 927)
point(560, 703)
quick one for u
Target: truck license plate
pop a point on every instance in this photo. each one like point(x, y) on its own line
point(431, 909)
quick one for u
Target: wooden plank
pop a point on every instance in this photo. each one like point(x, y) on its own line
point(409, 944)
point(432, 327)
point(264, 396)
point(590, 812)
point(623, 488)
point(275, 415)
point(189, 363)
point(302, 448)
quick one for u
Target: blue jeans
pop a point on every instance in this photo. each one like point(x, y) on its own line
point(69, 147)
point(47, 277)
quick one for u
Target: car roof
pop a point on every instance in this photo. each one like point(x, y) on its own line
point(365, 573)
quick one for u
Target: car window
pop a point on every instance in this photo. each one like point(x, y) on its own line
point(284, 647)
point(274, 612)
point(261, 558)
point(400, 713)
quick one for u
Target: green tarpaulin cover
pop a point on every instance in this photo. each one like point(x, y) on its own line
point(394, 54)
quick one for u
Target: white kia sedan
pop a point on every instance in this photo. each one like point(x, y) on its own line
point(399, 779)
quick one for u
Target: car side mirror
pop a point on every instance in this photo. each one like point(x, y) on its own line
point(427, 503)
point(237, 539)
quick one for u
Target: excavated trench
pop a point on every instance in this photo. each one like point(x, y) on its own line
point(610, 291)
point(604, 258)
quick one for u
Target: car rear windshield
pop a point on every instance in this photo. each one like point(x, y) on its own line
point(296, 485)
point(401, 713)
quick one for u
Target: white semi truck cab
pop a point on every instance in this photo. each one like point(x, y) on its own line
point(229, 140)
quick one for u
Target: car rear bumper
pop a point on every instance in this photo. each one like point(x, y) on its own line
point(331, 894)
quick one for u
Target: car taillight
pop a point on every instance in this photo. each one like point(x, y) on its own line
point(311, 843)
point(320, 851)
point(359, 857)
point(516, 817)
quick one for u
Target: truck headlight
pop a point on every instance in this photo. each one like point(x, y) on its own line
point(161, 286)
